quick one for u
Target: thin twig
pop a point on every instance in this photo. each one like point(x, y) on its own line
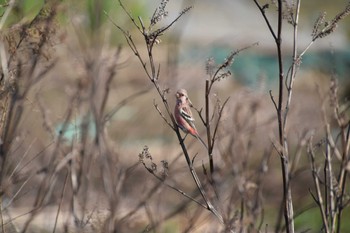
point(319, 199)
point(262, 10)
point(130, 17)
point(61, 201)
point(172, 187)
point(123, 102)
point(296, 61)
point(162, 115)
point(273, 100)
point(218, 121)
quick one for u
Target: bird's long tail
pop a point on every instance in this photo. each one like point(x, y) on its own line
point(201, 140)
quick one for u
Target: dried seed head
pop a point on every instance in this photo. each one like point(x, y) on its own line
point(210, 66)
point(328, 31)
point(153, 167)
point(319, 21)
point(165, 170)
point(333, 92)
point(145, 154)
point(288, 14)
point(342, 14)
point(159, 13)
point(329, 27)
point(184, 11)
point(223, 75)
point(229, 60)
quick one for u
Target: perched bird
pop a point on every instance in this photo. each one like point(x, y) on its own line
point(183, 115)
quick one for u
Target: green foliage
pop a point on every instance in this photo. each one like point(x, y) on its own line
point(311, 220)
point(23, 11)
point(94, 10)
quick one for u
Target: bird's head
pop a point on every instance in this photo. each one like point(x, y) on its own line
point(180, 93)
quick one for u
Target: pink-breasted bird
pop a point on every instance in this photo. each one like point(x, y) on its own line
point(183, 115)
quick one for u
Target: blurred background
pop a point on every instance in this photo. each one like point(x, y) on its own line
point(85, 48)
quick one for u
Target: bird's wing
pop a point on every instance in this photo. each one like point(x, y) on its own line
point(187, 115)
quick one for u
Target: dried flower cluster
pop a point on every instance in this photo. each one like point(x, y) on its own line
point(159, 13)
point(152, 36)
point(322, 29)
point(333, 94)
point(210, 66)
point(288, 14)
point(146, 159)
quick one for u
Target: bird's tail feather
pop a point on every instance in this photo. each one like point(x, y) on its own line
point(201, 140)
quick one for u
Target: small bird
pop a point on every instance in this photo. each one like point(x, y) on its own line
point(183, 115)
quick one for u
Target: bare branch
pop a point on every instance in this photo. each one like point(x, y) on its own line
point(162, 115)
point(130, 17)
point(273, 100)
point(263, 13)
point(218, 121)
point(319, 199)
